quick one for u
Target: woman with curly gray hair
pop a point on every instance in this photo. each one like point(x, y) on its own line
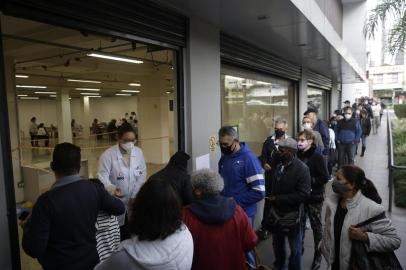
point(220, 228)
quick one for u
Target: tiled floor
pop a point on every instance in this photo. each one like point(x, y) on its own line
point(375, 165)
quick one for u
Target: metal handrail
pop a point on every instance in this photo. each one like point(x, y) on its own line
point(391, 166)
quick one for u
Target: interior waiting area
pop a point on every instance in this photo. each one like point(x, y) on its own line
point(79, 86)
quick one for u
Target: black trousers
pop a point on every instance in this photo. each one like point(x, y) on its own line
point(125, 230)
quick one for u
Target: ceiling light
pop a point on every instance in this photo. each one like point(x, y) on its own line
point(263, 83)
point(87, 89)
point(49, 93)
point(168, 92)
point(128, 95)
point(52, 95)
point(22, 76)
point(85, 81)
point(134, 84)
point(29, 97)
point(247, 84)
point(131, 91)
point(22, 95)
point(234, 78)
point(90, 94)
point(93, 96)
point(30, 86)
point(114, 57)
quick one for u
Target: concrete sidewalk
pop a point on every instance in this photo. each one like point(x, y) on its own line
point(374, 164)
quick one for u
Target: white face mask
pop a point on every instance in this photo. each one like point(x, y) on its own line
point(347, 116)
point(128, 146)
point(307, 126)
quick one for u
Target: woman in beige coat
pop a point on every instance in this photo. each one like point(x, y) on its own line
point(355, 199)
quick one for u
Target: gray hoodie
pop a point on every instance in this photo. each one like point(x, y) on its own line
point(173, 253)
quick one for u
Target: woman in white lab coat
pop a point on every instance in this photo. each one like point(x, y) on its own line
point(122, 170)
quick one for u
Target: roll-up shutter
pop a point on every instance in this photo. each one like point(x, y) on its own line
point(139, 18)
point(319, 81)
point(243, 54)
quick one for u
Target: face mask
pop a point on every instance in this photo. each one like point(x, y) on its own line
point(302, 145)
point(339, 188)
point(227, 150)
point(128, 146)
point(279, 133)
point(366, 102)
point(307, 126)
point(357, 112)
point(347, 116)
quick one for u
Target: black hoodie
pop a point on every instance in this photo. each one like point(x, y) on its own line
point(176, 173)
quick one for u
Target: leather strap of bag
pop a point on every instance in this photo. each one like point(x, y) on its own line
point(372, 219)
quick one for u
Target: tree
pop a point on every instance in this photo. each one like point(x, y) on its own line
point(396, 36)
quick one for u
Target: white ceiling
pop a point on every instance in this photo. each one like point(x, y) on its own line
point(50, 55)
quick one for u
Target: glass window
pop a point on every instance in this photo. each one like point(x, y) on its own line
point(252, 103)
point(317, 98)
point(392, 78)
point(378, 78)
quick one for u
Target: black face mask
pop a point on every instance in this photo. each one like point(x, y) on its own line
point(227, 149)
point(279, 133)
point(339, 188)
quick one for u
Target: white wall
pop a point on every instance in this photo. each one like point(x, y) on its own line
point(354, 15)
point(104, 109)
point(351, 91)
point(203, 105)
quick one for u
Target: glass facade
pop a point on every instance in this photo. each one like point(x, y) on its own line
point(251, 103)
point(317, 98)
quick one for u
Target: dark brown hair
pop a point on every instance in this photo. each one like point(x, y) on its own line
point(308, 134)
point(356, 176)
point(156, 211)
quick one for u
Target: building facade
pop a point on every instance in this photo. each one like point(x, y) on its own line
point(239, 63)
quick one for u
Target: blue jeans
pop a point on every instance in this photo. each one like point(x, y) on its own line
point(364, 140)
point(295, 243)
point(250, 254)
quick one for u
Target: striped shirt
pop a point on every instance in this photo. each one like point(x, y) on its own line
point(107, 235)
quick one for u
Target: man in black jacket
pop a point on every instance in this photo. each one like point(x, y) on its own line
point(61, 231)
point(269, 158)
point(176, 173)
point(290, 189)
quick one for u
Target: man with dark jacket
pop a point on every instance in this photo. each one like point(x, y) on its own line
point(176, 173)
point(269, 159)
point(61, 231)
point(290, 189)
point(348, 133)
point(321, 127)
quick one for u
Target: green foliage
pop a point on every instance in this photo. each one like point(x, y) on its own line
point(396, 37)
point(400, 110)
point(399, 145)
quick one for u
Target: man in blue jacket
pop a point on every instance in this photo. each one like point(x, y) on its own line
point(348, 132)
point(242, 173)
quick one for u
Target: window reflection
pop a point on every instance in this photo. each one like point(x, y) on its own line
point(252, 106)
point(317, 99)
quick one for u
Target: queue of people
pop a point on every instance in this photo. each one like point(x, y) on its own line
point(204, 220)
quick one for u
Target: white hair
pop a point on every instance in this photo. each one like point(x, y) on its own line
point(207, 181)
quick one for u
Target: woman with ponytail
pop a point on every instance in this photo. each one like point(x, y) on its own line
point(354, 200)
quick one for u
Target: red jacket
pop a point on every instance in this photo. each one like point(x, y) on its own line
point(219, 245)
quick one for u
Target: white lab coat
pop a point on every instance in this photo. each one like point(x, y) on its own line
point(115, 172)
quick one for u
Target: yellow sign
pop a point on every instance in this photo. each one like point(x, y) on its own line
point(212, 143)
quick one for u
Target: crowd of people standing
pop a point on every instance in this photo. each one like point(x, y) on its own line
point(204, 220)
